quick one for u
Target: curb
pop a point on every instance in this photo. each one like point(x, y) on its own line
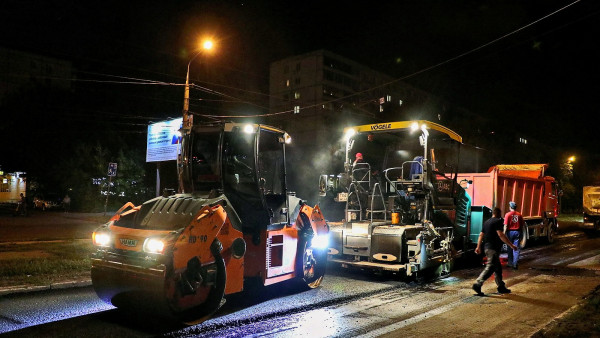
point(554, 321)
point(54, 286)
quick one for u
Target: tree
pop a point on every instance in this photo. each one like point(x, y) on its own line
point(83, 175)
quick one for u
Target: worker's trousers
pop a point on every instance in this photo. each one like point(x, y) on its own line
point(514, 236)
point(492, 266)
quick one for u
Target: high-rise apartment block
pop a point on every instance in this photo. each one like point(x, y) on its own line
point(318, 94)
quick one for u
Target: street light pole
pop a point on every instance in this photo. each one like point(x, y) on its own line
point(187, 118)
point(187, 122)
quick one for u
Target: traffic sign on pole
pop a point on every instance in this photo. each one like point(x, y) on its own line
point(112, 169)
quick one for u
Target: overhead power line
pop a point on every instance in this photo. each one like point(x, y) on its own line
point(462, 55)
point(138, 81)
point(455, 57)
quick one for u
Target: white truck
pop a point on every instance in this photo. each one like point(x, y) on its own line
point(591, 206)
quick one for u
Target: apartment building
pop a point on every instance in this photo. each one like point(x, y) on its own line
point(319, 93)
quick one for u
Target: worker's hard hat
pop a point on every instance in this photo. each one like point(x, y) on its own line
point(358, 155)
point(512, 205)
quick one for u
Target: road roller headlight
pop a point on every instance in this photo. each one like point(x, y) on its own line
point(320, 241)
point(154, 245)
point(101, 239)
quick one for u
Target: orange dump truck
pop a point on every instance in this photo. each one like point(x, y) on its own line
point(525, 184)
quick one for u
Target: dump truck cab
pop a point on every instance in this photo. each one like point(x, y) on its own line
point(233, 219)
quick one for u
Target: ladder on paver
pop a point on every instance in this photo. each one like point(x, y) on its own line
point(353, 193)
point(377, 205)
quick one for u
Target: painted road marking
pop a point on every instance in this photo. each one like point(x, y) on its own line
point(588, 262)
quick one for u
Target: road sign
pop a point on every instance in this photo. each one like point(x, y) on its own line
point(112, 169)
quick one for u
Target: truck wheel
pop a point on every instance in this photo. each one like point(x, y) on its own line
point(313, 264)
point(550, 232)
point(523, 241)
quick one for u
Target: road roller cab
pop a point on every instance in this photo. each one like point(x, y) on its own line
point(232, 220)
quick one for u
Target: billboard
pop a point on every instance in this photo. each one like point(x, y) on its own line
point(163, 140)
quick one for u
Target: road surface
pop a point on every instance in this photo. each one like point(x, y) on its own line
point(551, 279)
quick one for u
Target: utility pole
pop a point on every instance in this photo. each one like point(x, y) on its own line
point(112, 171)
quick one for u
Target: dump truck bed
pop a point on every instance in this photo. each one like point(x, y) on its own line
point(591, 200)
point(523, 184)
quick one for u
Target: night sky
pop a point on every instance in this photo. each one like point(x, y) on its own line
point(530, 66)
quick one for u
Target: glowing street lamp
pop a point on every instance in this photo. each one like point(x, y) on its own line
point(207, 44)
point(567, 167)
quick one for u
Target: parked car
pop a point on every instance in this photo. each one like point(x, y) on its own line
point(47, 202)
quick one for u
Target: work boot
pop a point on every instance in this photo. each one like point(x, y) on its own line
point(503, 289)
point(477, 288)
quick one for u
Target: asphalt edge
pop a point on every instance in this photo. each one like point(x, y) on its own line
point(36, 288)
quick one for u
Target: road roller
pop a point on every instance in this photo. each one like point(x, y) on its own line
point(232, 220)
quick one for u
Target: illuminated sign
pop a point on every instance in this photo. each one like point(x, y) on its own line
point(163, 140)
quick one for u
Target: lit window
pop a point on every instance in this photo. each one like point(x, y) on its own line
point(296, 109)
point(287, 83)
point(297, 95)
